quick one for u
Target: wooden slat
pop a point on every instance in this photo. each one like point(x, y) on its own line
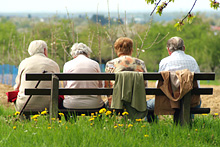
point(106, 91)
point(105, 76)
point(199, 110)
point(204, 76)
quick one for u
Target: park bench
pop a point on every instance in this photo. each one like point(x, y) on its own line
point(182, 116)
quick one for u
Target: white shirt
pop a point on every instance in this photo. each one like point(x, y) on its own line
point(178, 60)
point(82, 64)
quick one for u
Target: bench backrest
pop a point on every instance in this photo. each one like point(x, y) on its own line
point(105, 76)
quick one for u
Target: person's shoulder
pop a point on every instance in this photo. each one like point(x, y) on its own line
point(112, 61)
point(25, 61)
point(68, 62)
point(138, 59)
point(93, 61)
point(166, 59)
point(51, 62)
point(190, 57)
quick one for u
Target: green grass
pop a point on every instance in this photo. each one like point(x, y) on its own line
point(210, 82)
point(205, 131)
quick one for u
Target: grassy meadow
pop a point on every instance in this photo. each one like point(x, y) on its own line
point(108, 130)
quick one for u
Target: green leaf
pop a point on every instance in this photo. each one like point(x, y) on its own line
point(179, 26)
point(150, 1)
point(190, 18)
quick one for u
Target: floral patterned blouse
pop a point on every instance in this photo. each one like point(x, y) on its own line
point(124, 63)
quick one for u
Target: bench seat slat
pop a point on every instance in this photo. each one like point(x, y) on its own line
point(107, 91)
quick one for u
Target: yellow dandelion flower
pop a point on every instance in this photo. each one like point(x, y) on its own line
point(103, 110)
point(83, 115)
point(130, 125)
point(204, 114)
point(113, 110)
point(216, 114)
point(35, 116)
point(45, 109)
point(43, 112)
point(196, 130)
point(96, 113)
point(92, 114)
point(115, 126)
point(146, 135)
point(91, 124)
point(120, 125)
point(125, 113)
point(14, 127)
point(91, 119)
point(61, 114)
point(138, 120)
point(108, 113)
point(17, 113)
point(66, 127)
point(49, 128)
point(53, 119)
point(60, 121)
point(35, 119)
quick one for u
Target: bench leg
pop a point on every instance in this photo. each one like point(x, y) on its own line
point(54, 97)
point(182, 115)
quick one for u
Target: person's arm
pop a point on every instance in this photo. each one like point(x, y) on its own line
point(197, 71)
point(18, 78)
point(108, 84)
point(99, 71)
point(145, 71)
point(64, 71)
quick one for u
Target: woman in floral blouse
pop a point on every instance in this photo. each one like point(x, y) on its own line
point(125, 62)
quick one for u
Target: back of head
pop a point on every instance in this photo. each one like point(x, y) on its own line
point(123, 45)
point(37, 46)
point(80, 48)
point(175, 43)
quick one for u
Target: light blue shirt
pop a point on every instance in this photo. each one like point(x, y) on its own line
point(178, 60)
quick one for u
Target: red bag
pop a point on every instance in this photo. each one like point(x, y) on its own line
point(60, 100)
point(12, 96)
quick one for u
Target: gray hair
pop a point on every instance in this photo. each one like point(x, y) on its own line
point(175, 43)
point(80, 48)
point(37, 46)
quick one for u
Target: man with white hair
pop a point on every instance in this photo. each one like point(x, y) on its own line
point(38, 62)
point(82, 64)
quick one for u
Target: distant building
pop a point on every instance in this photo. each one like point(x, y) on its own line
point(215, 28)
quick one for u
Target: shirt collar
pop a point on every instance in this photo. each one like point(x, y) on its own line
point(177, 52)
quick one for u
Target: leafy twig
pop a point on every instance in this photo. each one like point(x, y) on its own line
point(155, 7)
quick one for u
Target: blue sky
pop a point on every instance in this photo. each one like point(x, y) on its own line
point(74, 6)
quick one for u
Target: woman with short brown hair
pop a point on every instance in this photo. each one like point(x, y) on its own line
point(124, 62)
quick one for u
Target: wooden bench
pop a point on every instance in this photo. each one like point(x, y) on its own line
point(183, 116)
